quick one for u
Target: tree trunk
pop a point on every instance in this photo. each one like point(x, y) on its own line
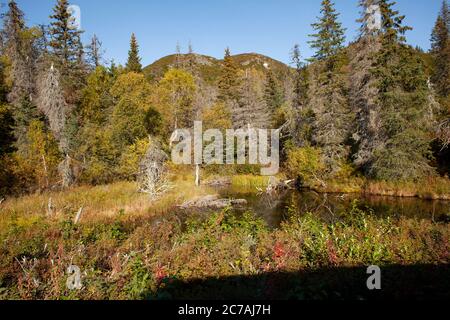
point(197, 175)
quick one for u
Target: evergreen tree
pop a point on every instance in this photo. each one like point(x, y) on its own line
point(6, 118)
point(229, 80)
point(251, 109)
point(20, 49)
point(65, 39)
point(440, 50)
point(402, 96)
point(328, 91)
point(302, 115)
point(299, 78)
point(329, 36)
point(134, 61)
point(272, 92)
point(363, 88)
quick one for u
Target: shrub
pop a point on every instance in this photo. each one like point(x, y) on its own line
point(306, 164)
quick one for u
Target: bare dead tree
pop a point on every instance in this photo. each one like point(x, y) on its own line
point(53, 105)
point(65, 169)
point(95, 52)
point(444, 133)
point(152, 177)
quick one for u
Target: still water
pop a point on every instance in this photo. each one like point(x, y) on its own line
point(275, 209)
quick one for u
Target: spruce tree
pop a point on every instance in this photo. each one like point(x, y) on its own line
point(20, 48)
point(300, 81)
point(65, 39)
point(402, 95)
point(134, 61)
point(272, 92)
point(328, 90)
point(251, 109)
point(363, 91)
point(302, 115)
point(329, 36)
point(229, 80)
point(440, 50)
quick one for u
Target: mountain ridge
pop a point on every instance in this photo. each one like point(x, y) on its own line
point(209, 68)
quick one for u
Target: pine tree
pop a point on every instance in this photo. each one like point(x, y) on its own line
point(329, 36)
point(440, 50)
point(134, 61)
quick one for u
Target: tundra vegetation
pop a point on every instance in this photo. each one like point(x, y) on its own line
point(85, 177)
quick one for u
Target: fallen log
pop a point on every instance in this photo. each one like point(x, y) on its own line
point(212, 202)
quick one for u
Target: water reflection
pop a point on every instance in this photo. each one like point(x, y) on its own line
point(275, 209)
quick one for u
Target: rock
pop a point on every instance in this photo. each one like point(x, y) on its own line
point(212, 202)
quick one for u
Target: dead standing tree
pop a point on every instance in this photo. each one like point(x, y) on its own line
point(152, 172)
point(55, 108)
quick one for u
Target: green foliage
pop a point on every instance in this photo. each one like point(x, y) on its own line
point(403, 99)
point(229, 81)
point(97, 100)
point(129, 162)
point(37, 167)
point(6, 130)
point(65, 41)
point(174, 100)
point(307, 164)
point(272, 93)
point(217, 117)
point(134, 61)
point(330, 37)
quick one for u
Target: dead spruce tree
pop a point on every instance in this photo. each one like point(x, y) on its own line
point(152, 171)
point(363, 89)
point(53, 105)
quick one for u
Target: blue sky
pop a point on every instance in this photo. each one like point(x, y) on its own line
point(269, 27)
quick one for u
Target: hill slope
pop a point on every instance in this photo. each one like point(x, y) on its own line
point(208, 68)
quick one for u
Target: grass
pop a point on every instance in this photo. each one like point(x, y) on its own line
point(433, 188)
point(250, 181)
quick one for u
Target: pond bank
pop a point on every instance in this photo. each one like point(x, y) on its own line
point(430, 189)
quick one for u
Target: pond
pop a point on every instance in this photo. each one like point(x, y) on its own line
point(275, 209)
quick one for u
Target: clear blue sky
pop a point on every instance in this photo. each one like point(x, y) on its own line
point(269, 27)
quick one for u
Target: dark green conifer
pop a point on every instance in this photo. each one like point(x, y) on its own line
point(134, 61)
